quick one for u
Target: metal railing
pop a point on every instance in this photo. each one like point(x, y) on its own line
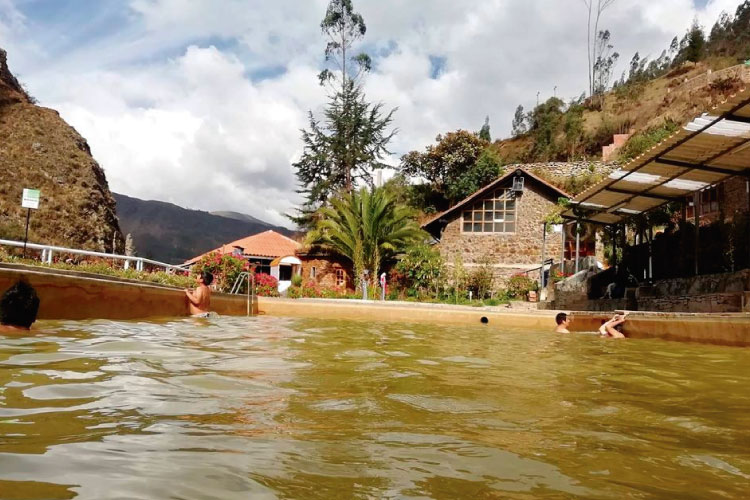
point(49, 250)
point(236, 287)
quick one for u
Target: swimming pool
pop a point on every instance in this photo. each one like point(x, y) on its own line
point(238, 408)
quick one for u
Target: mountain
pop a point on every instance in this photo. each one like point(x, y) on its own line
point(39, 150)
point(237, 216)
point(172, 234)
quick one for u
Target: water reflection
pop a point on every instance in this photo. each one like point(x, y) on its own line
point(278, 408)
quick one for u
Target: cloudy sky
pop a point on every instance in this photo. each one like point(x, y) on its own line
point(200, 102)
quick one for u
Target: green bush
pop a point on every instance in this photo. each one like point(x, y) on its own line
point(420, 269)
point(645, 140)
point(297, 280)
point(520, 284)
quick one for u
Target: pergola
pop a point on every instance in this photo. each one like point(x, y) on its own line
point(705, 152)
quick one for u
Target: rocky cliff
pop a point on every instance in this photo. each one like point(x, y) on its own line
point(39, 150)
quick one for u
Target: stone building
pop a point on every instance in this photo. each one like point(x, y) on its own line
point(326, 269)
point(502, 225)
point(721, 201)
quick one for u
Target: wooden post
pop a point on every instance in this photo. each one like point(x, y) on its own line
point(696, 217)
point(26, 236)
point(562, 254)
point(650, 255)
point(544, 250)
point(578, 244)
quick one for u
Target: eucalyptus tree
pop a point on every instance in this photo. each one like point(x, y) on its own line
point(351, 139)
point(366, 227)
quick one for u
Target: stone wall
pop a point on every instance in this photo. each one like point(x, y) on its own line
point(559, 170)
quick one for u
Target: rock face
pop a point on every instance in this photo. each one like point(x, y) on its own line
point(39, 150)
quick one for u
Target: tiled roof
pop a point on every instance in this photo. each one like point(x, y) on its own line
point(267, 244)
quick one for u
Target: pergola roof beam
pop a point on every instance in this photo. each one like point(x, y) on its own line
point(700, 166)
point(644, 194)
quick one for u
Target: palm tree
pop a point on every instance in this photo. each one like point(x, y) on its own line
point(366, 227)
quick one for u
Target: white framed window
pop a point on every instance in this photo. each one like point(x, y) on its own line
point(496, 214)
point(312, 272)
point(340, 277)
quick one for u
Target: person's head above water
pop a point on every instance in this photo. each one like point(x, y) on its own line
point(19, 306)
point(561, 318)
point(206, 278)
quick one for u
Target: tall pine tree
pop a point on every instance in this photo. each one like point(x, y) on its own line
point(351, 140)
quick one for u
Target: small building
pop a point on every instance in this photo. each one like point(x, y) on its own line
point(326, 269)
point(502, 225)
point(272, 253)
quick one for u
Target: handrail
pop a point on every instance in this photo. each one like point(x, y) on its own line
point(47, 251)
point(250, 289)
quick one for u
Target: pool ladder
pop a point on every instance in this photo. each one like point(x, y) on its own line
point(250, 277)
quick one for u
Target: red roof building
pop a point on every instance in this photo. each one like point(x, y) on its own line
point(268, 245)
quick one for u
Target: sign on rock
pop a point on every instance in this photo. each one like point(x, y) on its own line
point(30, 198)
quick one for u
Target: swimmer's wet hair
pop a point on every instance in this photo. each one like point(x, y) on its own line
point(19, 305)
point(208, 278)
point(560, 318)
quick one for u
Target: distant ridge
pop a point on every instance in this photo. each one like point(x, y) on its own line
point(172, 234)
point(238, 216)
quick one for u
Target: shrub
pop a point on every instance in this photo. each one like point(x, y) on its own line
point(297, 280)
point(520, 284)
point(645, 140)
point(266, 285)
point(225, 268)
point(480, 279)
point(421, 268)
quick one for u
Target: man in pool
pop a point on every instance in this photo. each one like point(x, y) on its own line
point(199, 300)
point(609, 329)
point(19, 306)
point(562, 321)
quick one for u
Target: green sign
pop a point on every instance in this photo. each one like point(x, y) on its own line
point(30, 198)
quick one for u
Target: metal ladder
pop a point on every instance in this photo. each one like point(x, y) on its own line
point(250, 290)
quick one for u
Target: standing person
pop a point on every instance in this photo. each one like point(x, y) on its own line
point(19, 306)
point(199, 300)
point(562, 321)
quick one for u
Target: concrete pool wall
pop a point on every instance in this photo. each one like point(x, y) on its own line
point(73, 295)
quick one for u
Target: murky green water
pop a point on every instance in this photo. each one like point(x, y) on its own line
point(240, 408)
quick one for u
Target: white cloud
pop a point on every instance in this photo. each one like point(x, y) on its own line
point(171, 113)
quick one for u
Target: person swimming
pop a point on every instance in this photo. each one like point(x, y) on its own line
point(562, 321)
point(19, 306)
point(199, 300)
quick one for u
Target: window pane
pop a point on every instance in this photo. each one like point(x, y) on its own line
point(467, 216)
point(510, 205)
point(499, 205)
point(488, 205)
point(510, 228)
point(477, 216)
point(477, 228)
point(488, 228)
point(499, 216)
point(467, 227)
point(510, 217)
point(488, 216)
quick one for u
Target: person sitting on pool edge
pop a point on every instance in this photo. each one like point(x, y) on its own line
point(609, 329)
point(562, 321)
point(19, 306)
point(199, 300)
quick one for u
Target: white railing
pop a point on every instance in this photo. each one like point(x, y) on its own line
point(49, 250)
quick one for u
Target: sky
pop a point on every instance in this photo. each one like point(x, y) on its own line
point(200, 102)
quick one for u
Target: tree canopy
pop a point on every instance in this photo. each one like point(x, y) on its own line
point(366, 227)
